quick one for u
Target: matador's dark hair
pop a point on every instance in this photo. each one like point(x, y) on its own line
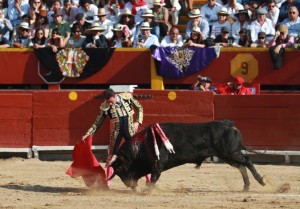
point(108, 93)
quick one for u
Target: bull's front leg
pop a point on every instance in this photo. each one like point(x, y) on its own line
point(244, 173)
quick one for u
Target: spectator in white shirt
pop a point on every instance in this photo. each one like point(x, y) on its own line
point(262, 23)
point(146, 39)
point(173, 39)
point(222, 22)
point(242, 21)
point(105, 23)
point(209, 11)
point(273, 11)
point(197, 21)
point(292, 22)
point(233, 7)
point(89, 9)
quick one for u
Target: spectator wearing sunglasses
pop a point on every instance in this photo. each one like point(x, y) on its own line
point(22, 40)
point(292, 22)
point(77, 39)
point(260, 41)
point(39, 40)
point(222, 22)
point(273, 11)
point(284, 9)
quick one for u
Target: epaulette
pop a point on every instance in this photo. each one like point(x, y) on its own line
point(125, 95)
point(104, 106)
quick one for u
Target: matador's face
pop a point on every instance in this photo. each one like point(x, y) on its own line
point(111, 100)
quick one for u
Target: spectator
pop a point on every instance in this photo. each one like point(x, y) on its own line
point(253, 8)
point(161, 16)
point(35, 8)
point(273, 11)
point(105, 23)
point(284, 8)
point(146, 39)
point(278, 44)
point(261, 41)
point(203, 84)
point(172, 7)
point(196, 38)
point(293, 21)
point(95, 38)
point(262, 23)
point(149, 17)
point(235, 88)
point(197, 21)
point(121, 37)
point(4, 42)
point(56, 7)
point(16, 10)
point(244, 39)
point(5, 26)
point(39, 40)
point(173, 39)
point(222, 22)
point(41, 22)
point(62, 26)
point(56, 41)
point(3, 8)
point(113, 9)
point(23, 39)
point(242, 21)
point(69, 12)
point(210, 11)
point(233, 7)
point(77, 39)
point(127, 18)
point(89, 10)
point(137, 7)
point(81, 21)
point(224, 39)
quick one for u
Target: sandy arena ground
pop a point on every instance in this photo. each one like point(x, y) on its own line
point(31, 183)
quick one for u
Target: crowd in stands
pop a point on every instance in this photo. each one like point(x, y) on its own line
point(142, 23)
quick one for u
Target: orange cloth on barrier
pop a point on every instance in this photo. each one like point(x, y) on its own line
point(86, 165)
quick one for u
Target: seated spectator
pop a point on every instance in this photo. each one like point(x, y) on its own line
point(146, 39)
point(77, 39)
point(39, 40)
point(244, 39)
point(137, 8)
point(41, 22)
point(171, 7)
point(113, 9)
point(81, 21)
point(261, 41)
point(262, 23)
point(173, 39)
point(293, 21)
point(3, 7)
point(4, 42)
point(210, 11)
point(5, 26)
point(242, 21)
point(56, 41)
point(95, 38)
point(121, 37)
point(196, 39)
point(149, 17)
point(105, 23)
point(69, 12)
point(196, 20)
point(62, 26)
point(224, 39)
point(203, 84)
point(56, 7)
point(161, 16)
point(16, 9)
point(127, 18)
point(284, 8)
point(23, 39)
point(89, 10)
point(35, 8)
point(222, 22)
point(278, 44)
point(235, 88)
point(254, 6)
point(233, 7)
point(273, 11)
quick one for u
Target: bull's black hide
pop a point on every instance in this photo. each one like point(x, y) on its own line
point(192, 142)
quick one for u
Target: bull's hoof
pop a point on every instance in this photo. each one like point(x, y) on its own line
point(246, 188)
point(262, 181)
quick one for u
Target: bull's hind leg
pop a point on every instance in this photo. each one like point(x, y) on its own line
point(244, 173)
point(254, 172)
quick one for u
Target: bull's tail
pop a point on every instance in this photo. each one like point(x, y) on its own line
point(253, 151)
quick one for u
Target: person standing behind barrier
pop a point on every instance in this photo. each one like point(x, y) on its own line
point(120, 109)
point(278, 44)
point(235, 88)
point(203, 84)
point(196, 21)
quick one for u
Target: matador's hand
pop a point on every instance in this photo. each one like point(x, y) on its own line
point(135, 126)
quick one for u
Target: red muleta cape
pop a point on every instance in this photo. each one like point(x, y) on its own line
point(86, 165)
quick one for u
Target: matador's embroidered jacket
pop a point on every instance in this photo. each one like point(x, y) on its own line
point(124, 107)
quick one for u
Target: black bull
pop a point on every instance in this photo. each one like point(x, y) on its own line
point(192, 143)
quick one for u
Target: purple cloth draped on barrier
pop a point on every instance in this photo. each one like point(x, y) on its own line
point(179, 62)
